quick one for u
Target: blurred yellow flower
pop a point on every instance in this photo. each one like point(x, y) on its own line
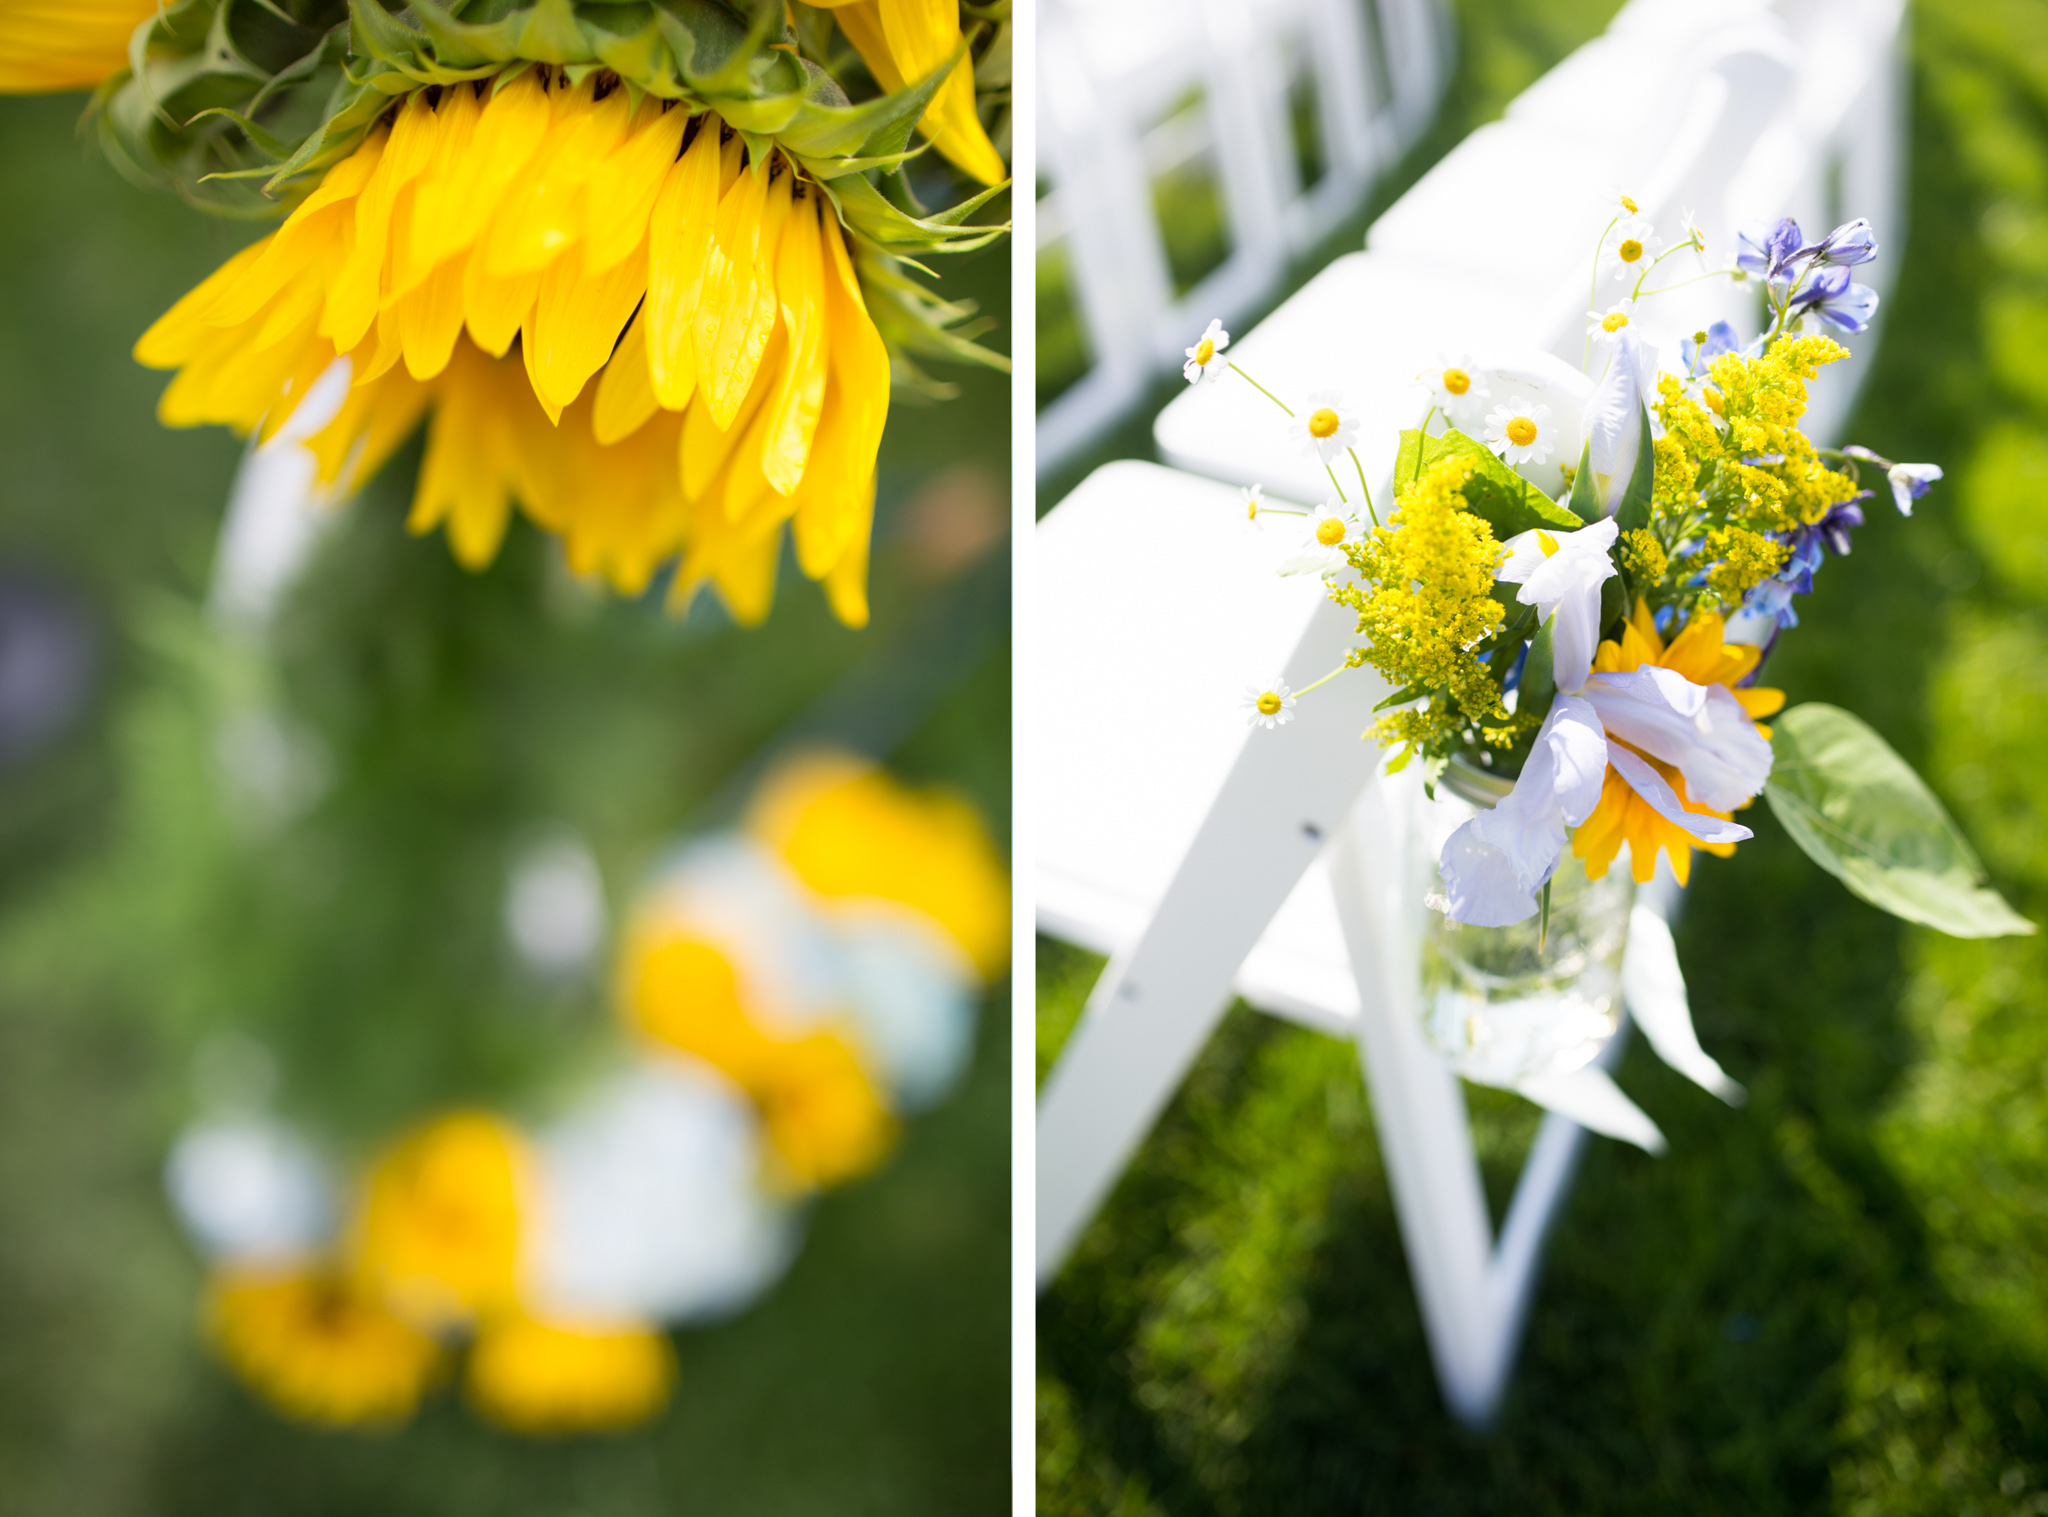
point(850, 831)
point(65, 44)
point(901, 41)
point(438, 1228)
point(695, 365)
point(540, 1377)
point(824, 1113)
point(319, 1346)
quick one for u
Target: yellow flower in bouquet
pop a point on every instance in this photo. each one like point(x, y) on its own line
point(695, 364)
point(1622, 815)
point(319, 1345)
point(540, 1377)
point(438, 1229)
point(65, 44)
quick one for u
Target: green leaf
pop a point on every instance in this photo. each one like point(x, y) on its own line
point(1862, 814)
point(1508, 502)
point(1539, 672)
point(1633, 514)
point(1584, 503)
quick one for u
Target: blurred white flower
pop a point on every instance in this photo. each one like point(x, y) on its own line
point(250, 1192)
point(650, 1202)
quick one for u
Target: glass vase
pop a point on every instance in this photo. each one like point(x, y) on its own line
point(1508, 1004)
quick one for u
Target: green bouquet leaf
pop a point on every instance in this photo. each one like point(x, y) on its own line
point(1508, 502)
point(1862, 814)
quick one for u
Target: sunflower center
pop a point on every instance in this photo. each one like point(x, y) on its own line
point(1204, 351)
point(1630, 250)
point(1322, 423)
point(1330, 531)
point(1457, 381)
point(1521, 431)
point(1269, 704)
point(1614, 321)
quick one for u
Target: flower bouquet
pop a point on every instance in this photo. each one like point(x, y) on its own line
point(1574, 594)
point(787, 993)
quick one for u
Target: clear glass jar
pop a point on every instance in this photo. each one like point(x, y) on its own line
point(1505, 1004)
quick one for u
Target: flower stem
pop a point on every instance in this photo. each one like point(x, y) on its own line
point(1593, 292)
point(1260, 388)
point(1304, 690)
point(1543, 927)
point(1363, 489)
point(1342, 498)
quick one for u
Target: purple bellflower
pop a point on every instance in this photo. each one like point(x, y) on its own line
point(1832, 297)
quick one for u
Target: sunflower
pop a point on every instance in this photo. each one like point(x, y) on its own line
point(535, 1376)
point(50, 45)
point(320, 1346)
point(903, 40)
point(822, 1109)
point(1622, 816)
point(637, 303)
point(438, 1229)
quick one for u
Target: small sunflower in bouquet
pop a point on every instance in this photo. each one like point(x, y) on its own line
point(1577, 585)
point(644, 271)
point(788, 993)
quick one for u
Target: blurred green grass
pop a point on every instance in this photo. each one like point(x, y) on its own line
point(1831, 1299)
point(457, 712)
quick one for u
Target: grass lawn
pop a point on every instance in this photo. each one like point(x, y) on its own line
point(1833, 1298)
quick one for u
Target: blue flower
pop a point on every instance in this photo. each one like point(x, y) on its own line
point(1768, 251)
point(1910, 482)
point(1850, 243)
point(1772, 598)
point(1834, 299)
point(1810, 544)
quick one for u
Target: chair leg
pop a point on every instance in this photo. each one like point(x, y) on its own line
point(1158, 1001)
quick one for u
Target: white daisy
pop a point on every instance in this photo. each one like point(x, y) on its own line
point(1520, 431)
point(1202, 356)
point(1268, 708)
point(1628, 202)
point(1454, 384)
point(1254, 497)
point(1331, 529)
point(1629, 248)
point(1607, 326)
point(1325, 427)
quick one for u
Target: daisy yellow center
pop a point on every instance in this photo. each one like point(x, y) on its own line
point(1457, 381)
point(1269, 704)
point(1521, 431)
point(1204, 351)
point(1614, 321)
point(1546, 542)
point(1330, 531)
point(1630, 250)
point(1632, 208)
point(1322, 423)
point(1251, 510)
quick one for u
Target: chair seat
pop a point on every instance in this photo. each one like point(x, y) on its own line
point(1158, 602)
